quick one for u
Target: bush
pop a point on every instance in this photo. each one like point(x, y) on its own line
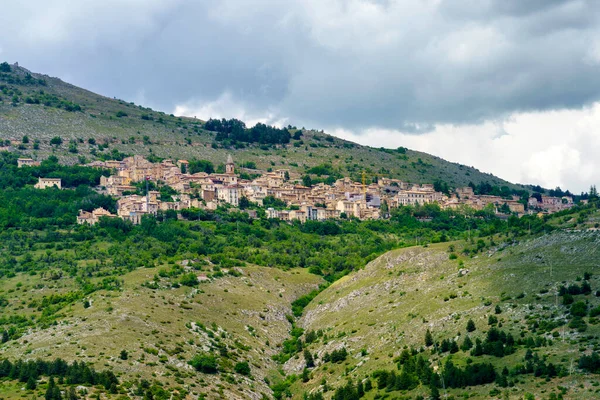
point(189, 279)
point(470, 326)
point(206, 363)
point(579, 309)
point(56, 140)
point(242, 368)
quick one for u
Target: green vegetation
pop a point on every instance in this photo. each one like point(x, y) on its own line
point(215, 304)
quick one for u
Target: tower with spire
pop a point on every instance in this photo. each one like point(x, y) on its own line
point(229, 167)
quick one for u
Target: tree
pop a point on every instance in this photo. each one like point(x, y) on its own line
point(593, 193)
point(428, 338)
point(25, 139)
point(466, 344)
point(31, 383)
point(307, 180)
point(189, 279)
point(56, 140)
point(244, 203)
point(579, 309)
point(52, 392)
point(71, 394)
point(242, 368)
point(5, 67)
point(470, 325)
point(433, 385)
point(123, 355)
point(206, 363)
point(308, 358)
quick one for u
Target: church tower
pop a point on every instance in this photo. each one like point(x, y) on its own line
point(229, 167)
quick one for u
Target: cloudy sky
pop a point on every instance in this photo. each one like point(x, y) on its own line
point(511, 87)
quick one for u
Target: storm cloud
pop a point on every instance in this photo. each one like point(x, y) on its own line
point(353, 65)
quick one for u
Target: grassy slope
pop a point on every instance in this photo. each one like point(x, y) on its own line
point(398, 296)
point(98, 120)
point(138, 318)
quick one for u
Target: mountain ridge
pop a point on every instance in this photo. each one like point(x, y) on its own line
point(116, 125)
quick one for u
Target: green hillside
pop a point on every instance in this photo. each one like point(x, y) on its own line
point(377, 313)
point(42, 108)
point(206, 304)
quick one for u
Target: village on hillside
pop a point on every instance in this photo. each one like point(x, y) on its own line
point(343, 199)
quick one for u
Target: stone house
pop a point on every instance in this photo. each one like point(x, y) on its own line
point(44, 183)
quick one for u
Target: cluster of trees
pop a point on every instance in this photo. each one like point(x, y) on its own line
point(76, 373)
point(336, 356)
point(486, 188)
point(235, 130)
point(50, 100)
point(7, 76)
point(590, 363)
point(496, 343)
point(414, 369)
point(196, 166)
point(471, 375)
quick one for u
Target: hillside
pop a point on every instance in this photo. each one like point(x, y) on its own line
point(41, 108)
point(378, 312)
point(161, 329)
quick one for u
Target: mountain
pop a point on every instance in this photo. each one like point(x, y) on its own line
point(216, 305)
point(389, 306)
point(42, 108)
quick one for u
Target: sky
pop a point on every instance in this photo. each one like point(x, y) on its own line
point(511, 87)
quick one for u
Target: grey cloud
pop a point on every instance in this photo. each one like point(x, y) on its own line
point(354, 64)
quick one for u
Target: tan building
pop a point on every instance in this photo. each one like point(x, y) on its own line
point(27, 162)
point(44, 183)
point(93, 217)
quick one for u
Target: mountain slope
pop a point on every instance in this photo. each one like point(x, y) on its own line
point(37, 107)
point(161, 329)
point(378, 312)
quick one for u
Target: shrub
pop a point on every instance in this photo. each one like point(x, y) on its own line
point(579, 309)
point(242, 368)
point(206, 363)
point(56, 140)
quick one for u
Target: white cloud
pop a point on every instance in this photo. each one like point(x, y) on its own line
point(226, 106)
point(556, 148)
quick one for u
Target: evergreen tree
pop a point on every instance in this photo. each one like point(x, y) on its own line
point(433, 385)
point(470, 325)
point(466, 344)
point(308, 358)
point(31, 383)
point(428, 338)
point(71, 394)
point(305, 375)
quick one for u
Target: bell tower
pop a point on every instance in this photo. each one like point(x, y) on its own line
point(229, 167)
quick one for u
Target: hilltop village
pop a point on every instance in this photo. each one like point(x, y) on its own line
point(293, 201)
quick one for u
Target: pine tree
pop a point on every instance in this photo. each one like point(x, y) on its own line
point(466, 344)
point(428, 338)
point(71, 394)
point(433, 385)
point(305, 375)
point(50, 390)
point(31, 383)
point(308, 358)
point(470, 325)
